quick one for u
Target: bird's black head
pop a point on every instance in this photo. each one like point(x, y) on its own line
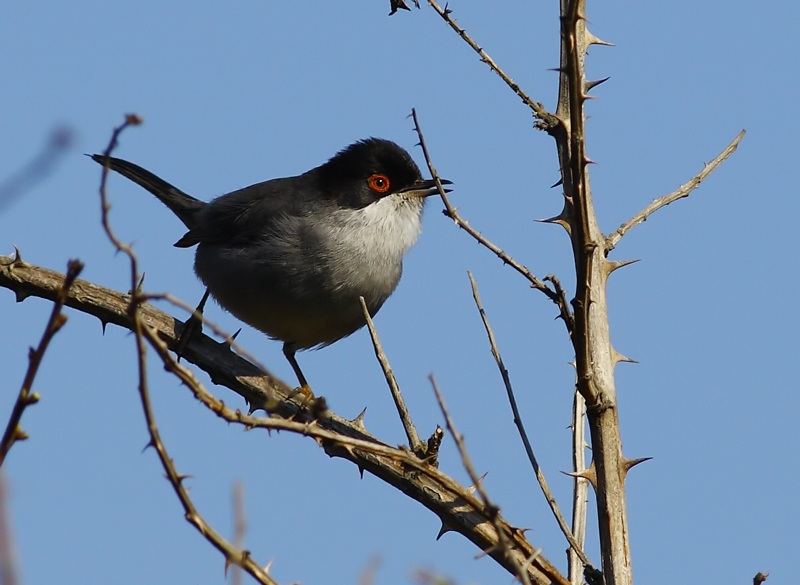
point(371, 169)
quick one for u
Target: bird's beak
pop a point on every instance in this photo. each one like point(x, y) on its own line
point(425, 188)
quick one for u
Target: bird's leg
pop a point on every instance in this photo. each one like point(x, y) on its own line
point(289, 350)
point(192, 326)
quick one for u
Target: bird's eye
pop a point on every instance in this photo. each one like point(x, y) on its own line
point(378, 183)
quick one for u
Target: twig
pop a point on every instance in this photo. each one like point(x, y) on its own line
point(490, 509)
point(537, 108)
point(682, 191)
point(25, 398)
point(562, 523)
point(451, 212)
point(232, 554)
point(417, 446)
point(38, 168)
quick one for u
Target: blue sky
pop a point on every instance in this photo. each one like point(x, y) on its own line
point(235, 94)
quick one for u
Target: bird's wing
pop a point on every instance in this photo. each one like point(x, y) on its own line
point(247, 215)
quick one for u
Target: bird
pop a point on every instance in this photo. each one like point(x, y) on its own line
point(292, 256)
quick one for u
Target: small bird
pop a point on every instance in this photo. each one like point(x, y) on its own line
point(292, 256)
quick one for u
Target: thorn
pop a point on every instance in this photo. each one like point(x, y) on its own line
point(589, 474)
point(555, 219)
point(15, 259)
point(103, 324)
point(140, 285)
point(471, 489)
point(232, 338)
point(268, 566)
point(588, 161)
point(519, 531)
point(359, 420)
point(612, 265)
point(21, 295)
point(149, 444)
point(361, 470)
point(557, 183)
point(590, 85)
point(627, 464)
point(443, 530)
point(618, 357)
point(593, 40)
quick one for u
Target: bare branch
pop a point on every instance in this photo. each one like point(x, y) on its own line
point(548, 119)
point(458, 509)
point(683, 191)
point(451, 212)
point(417, 446)
point(25, 398)
point(562, 523)
point(594, 354)
point(37, 169)
point(232, 554)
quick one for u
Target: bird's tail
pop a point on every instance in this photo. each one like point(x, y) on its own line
point(182, 204)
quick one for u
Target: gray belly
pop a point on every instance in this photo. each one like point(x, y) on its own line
point(292, 299)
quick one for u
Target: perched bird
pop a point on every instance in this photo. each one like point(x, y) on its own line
point(292, 256)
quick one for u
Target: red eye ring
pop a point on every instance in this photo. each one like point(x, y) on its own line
point(379, 183)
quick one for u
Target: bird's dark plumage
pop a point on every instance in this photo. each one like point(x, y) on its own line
point(292, 256)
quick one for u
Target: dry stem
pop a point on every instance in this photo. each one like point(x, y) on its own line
point(551, 500)
point(25, 397)
point(554, 295)
point(417, 446)
point(683, 191)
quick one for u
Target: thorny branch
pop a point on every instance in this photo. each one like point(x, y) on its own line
point(548, 120)
point(557, 295)
point(25, 398)
point(457, 508)
point(683, 191)
point(232, 554)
